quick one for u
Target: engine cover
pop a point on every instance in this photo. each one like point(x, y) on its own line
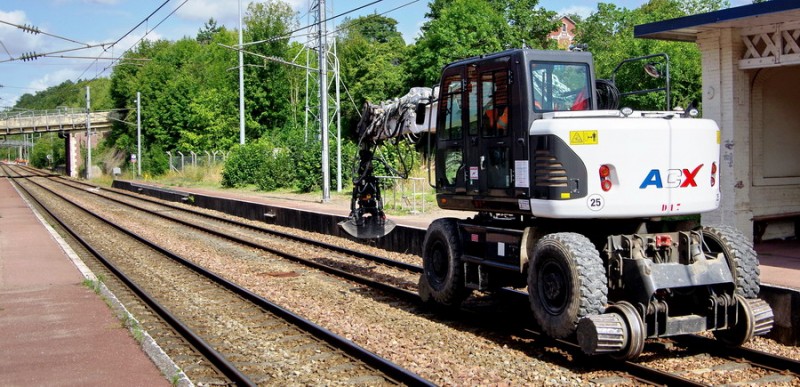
point(642, 165)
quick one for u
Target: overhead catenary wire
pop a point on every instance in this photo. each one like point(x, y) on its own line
point(145, 20)
point(37, 31)
point(33, 55)
point(289, 34)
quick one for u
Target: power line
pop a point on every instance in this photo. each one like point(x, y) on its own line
point(289, 34)
point(36, 31)
point(29, 56)
point(331, 32)
point(146, 33)
point(105, 49)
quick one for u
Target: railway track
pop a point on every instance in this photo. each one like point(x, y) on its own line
point(261, 328)
point(653, 368)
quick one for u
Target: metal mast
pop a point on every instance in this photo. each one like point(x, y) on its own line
point(323, 96)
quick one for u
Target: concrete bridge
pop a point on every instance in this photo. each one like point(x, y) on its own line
point(58, 120)
point(70, 123)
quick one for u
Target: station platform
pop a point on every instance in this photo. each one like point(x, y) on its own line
point(56, 331)
point(779, 259)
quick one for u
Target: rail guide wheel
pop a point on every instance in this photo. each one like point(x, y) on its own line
point(755, 319)
point(619, 333)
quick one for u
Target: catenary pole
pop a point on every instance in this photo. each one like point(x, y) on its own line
point(88, 135)
point(139, 133)
point(323, 99)
point(241, 79)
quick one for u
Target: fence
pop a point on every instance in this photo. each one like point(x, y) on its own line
point(179, 160)
point(414, 201)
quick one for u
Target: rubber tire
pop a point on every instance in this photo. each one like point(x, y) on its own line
point(442, 279)
point(569, 265)
point(739, 253)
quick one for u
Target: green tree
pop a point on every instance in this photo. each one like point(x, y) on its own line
point(458, 29)
point(267, 88)
point(69, 94)
point(48, 151)
point(371, 51)
point(206, 34)
point(609, 35)
point(527, 24)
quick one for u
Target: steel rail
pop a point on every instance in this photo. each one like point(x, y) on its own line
point(641, 373)
point(390, 369)
point(758, 358)
point(338, 249)
point(217, 359)
point(637, 371)
point(405, 294)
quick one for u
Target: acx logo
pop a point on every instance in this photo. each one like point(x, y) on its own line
point(675, 178)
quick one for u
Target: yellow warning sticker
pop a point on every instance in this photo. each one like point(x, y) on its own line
point(583, 137)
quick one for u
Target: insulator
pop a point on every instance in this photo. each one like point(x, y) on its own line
point(31, 29)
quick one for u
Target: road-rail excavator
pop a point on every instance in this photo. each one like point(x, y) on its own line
point(575, 199)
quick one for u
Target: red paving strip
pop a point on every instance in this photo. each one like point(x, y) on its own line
point(55, 331)
point(780, 263)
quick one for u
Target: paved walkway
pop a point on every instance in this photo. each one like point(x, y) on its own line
point(55, 330)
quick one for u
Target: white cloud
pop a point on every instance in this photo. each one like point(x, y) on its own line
point(581, 11)
point(15, 40)
point(54, 78)
point(225, 12)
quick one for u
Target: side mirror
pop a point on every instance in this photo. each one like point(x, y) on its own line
point(420, 111)
point(652, 70)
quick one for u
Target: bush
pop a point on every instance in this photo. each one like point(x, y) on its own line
point(243, 164)
point(48, 145)
point(156, 161)
point(276, 172)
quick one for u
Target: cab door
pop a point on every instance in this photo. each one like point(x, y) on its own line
point(494, 137)
point(451, 171)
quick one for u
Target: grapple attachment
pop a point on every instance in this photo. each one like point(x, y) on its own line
point(369, 227)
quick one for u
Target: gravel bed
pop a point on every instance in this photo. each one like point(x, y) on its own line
point(444, 351)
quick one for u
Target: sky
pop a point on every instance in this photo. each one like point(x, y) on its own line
point(80, 23)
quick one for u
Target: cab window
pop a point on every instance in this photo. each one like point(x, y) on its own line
point(450, 108)
point(494, 100)
point(560, 86)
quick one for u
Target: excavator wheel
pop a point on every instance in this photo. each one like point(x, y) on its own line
point(739, 253)
point(442, 280)
point(566, 282)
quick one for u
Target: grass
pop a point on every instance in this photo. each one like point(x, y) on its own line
point(94, 285)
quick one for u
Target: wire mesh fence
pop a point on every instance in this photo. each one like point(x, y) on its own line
point(179, 161)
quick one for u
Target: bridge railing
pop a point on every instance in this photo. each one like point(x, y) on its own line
point(49, 120)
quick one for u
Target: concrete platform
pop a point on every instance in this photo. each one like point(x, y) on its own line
point(55, 330)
